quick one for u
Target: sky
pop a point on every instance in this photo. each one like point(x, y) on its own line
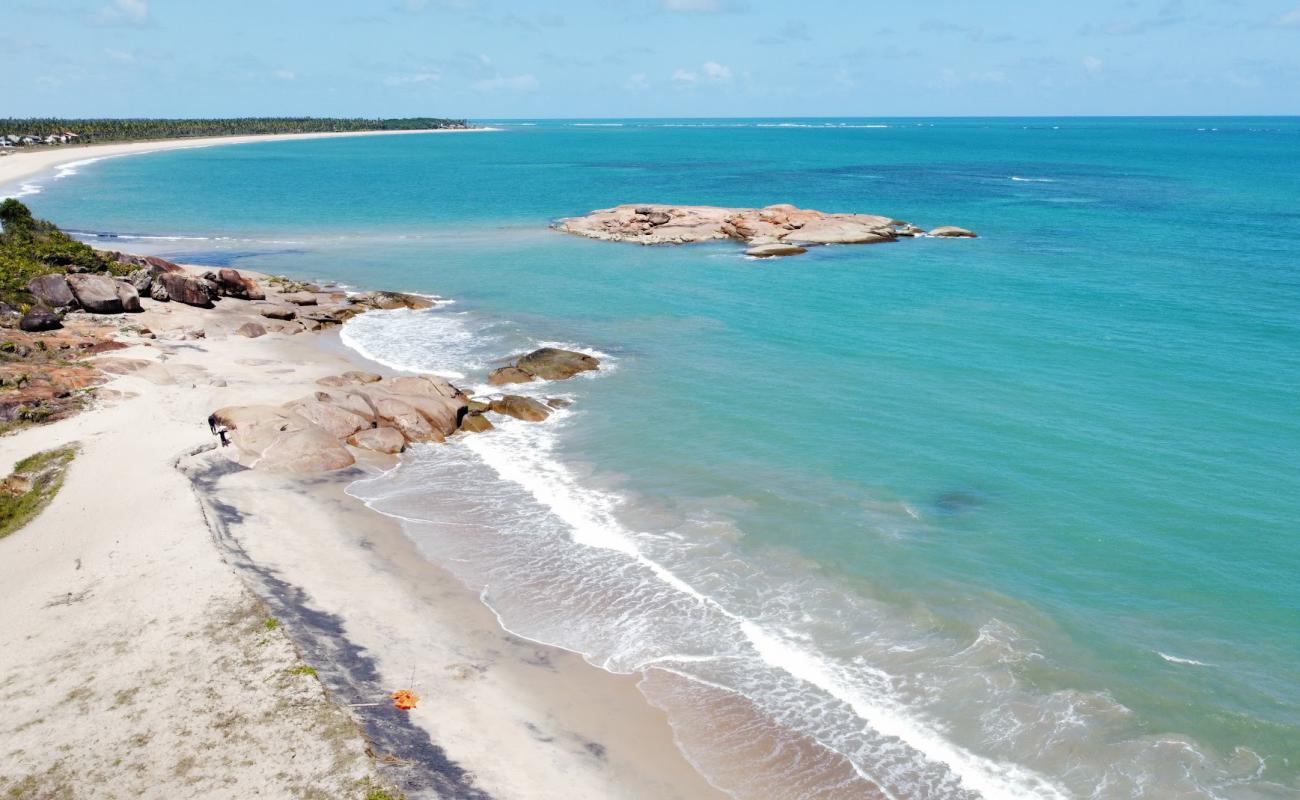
point(497, 59)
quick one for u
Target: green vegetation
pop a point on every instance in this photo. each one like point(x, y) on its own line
point(375, 792)
point(32, 485)
point(271, 623)
point(31, 247)
point(303, 670)
point(126, 130)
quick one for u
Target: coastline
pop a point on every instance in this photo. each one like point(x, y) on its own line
point(21, 165)
point(360, 607)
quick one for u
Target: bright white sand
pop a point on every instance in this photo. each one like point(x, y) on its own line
point(22, 163)
point(134, 662)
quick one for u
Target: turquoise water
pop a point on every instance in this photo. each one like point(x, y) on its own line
point(1013, 516)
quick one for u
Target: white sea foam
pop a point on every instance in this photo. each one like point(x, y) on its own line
point(1188, 661)
point(1022, 179)
point(630, 598)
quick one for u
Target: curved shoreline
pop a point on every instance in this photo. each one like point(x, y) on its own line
point(22, 165)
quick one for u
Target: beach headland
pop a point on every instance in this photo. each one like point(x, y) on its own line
point(178, 625)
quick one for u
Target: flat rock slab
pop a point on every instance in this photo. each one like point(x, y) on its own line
point(779, 224)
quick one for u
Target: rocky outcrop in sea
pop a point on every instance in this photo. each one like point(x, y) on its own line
point(778, 230)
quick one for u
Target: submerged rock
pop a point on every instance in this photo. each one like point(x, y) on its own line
point(554, 364)
point(508, 375)
point(775, 249)
point(953, 232)
point(475, 422)
point(520, 407)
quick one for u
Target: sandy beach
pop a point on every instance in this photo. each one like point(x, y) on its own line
point(20, 164)
point(177, 625)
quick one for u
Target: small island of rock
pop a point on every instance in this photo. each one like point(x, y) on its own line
point(778, 230)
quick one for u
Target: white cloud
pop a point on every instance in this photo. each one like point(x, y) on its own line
point(120, 56)
point(637, 82)
point(718, 73)
point(1093, 64)
point(1290, 19)
point(685, 77)
point(412, 77)
point(286, 74)
point(518, 83)
point(124, 12)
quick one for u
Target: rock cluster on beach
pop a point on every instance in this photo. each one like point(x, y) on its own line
point(354, 410)
point(372, 412)
point(778, 230)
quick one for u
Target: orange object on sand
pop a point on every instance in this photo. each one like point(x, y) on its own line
point(405, 699)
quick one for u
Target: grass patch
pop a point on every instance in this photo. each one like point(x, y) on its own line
point(303, 670)
point(376, 792)
point(31, 486)
point(271, 623)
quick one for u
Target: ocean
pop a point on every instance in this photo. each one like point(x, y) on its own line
point(1007, 517)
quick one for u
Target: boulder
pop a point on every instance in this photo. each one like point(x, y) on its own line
point(507, 375)
point(142, 280)
point(389, 300)
point(553, 364)
point(232, 284)
point(96, 293)
point(475, 423)
point(340, 422)
point(858, 229)
point(158, 292)
point(350, 378)
point(8, 313)
point(251, 329)
point(519, 407)
point(299, 298)
point(953, 232)
point(477, 405)
point(441, 404)
point(39, 318)
point(395, 413)
point(381, 440)
point(775, 249)
point(52, 291)
point(128, 297)
point(354, 402)
point(185, 289)
point(280, 440)
point(558, 402)
point(278, 312)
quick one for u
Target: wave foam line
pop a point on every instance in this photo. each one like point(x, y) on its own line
point(589, 514)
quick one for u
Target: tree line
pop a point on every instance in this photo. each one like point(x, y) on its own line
point(105, 130)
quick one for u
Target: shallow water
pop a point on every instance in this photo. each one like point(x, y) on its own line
point(1012, 516)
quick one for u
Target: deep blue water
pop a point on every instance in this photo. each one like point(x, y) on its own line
point(1014, 515)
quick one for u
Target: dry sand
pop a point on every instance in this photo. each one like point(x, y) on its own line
point(134, 656)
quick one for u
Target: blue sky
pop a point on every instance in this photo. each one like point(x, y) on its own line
point(487, 59)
